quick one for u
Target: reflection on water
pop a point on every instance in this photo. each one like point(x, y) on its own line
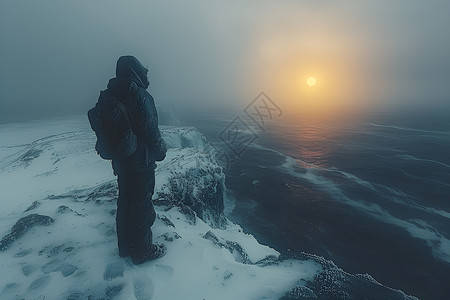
point(312, 146)
point(314, 140)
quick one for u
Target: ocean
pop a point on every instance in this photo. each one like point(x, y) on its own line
point(372, 194)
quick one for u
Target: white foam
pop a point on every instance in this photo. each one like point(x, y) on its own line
point(408, 129)
point(438, 243)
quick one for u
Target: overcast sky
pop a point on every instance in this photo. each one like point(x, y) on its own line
point(56, 56)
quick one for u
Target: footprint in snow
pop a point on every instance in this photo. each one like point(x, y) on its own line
point(163, 272)
point(113, 270)
point(40, 283)
point(143, 285)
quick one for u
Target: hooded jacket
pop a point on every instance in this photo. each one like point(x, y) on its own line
point(130, 85)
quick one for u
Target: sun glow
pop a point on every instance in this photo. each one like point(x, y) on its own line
point(314, 74)
point(311, 81)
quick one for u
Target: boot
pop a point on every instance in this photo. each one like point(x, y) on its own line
point(124, 252)
point(154, 251)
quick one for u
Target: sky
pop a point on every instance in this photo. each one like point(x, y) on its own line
point(56, 56)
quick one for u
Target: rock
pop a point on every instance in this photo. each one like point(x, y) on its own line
point(238, 252)
point(332, 283)
point(193, 178)
point(22, 226)
point(166, 221)
point(63, 209)
point(212, 237)
point(227, 275)
point(236, 249)
point(31, 154)
point(34, 205)
point(300, 293)
point(107, 192)
point(189, 213)
point(170, 236)
point(68, 249)
point(268, 261)
point(51, 251)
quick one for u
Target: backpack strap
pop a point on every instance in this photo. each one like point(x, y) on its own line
point(127, 112)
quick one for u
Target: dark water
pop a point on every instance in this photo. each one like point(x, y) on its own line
point(372, 195)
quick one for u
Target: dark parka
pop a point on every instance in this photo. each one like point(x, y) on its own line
point(130, 84)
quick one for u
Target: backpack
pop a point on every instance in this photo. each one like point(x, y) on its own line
point(113, 126)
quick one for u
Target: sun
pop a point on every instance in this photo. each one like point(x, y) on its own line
point(311, 81)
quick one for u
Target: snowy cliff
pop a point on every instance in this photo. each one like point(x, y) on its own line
point(58, 227)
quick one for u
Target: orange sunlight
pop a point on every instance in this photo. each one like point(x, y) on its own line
point(315, 73)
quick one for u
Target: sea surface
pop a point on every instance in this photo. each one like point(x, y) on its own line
point(371, 194)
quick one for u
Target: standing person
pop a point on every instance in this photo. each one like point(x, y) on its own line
point(136, 173)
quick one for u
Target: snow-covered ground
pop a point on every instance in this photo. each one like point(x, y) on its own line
point(57, 220)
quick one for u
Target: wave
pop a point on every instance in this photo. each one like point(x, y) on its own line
point(411, 157)
point(417, 228)
point(409, 129)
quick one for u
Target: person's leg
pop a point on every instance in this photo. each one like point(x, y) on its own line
point(122, 216)
point(142, 213)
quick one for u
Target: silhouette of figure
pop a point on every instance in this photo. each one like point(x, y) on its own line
point(136, 174)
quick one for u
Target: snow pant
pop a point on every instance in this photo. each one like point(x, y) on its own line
point(135, 212)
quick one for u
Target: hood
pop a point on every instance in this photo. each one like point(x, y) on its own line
point(130, 67)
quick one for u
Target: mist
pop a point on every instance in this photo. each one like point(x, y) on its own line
point(213, 55)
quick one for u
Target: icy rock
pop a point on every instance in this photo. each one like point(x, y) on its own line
point(65, 209)
point(23, 225)
point(190, 177)
point(326, 264)
point(184, 137)
point(235, 248)
point(170, 236)
point(106, 192)
point(31, 154)
point(227, 275)
point(166, 221)
point(33, 205)
point(332, 283)
point(212, 237)
point(189, 213)
point(300, 293)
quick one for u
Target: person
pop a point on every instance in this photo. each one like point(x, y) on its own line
point(136, 174)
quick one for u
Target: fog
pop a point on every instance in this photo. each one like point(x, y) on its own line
point(56, 56)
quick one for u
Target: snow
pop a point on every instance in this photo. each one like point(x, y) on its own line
point(54, 163)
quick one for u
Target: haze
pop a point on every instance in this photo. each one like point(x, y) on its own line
point(56, 56)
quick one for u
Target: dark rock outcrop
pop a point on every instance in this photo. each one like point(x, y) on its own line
point(235, 248)
point(23, 225)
